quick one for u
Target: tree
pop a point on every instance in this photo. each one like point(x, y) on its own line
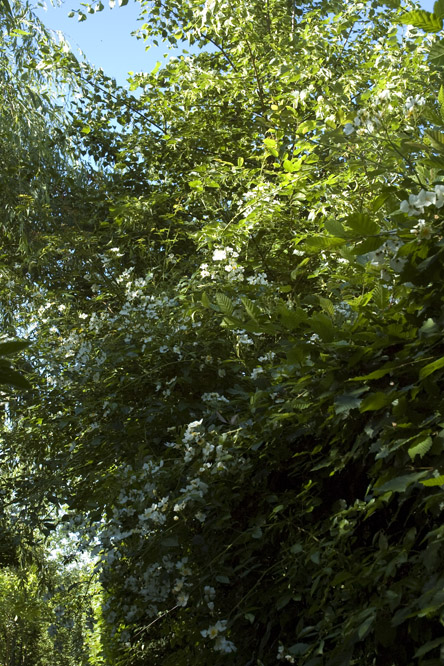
point(237, 383)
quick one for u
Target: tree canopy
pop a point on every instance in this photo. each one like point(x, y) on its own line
point(230, 287)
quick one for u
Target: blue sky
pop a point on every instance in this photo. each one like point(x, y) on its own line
point(105, 38)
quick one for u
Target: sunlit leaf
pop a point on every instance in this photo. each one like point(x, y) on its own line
point(422, 19)
point(421, 448)
point(430, 368)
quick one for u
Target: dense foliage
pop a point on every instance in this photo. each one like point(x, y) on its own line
point(232, 290)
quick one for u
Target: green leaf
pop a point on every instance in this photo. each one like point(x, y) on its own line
point(438, 8)
point(6, 6)
point(430, 645)
point(12, 346)
point(284, 600)
point(437, 139)
point(322, 326)
point(375, 401)
point(368, 245)
point(365, 626)
point(122, 3)
point(381, 296)
point(431, 368)
point(291, 318)
point(195, 184)
point(424, 20)
point(205, 300)
point(362, 224)
point(335, 228)
point(322, 243)
point(436, 53)
point(379, 201)
point(251, 308)
point(13, 378)
point(224, 303)
point(347, 401)
point(421, 448)
point(434, 481)
point(400, 483)
point(441, 98)
point(271, 146)
point(306, 126)
point(361, 301)
point(376, 374)
point(327, 306)
point(298, 649)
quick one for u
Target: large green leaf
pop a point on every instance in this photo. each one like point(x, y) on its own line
point(251, 308)
point(438, 8)
point(376, 374)
point(437, 139)
point(13, 378)
point(335, 228)
point(400, 483)
point(422, 19)
point(322, 326)
point(376, 401)
point(435, 481)
point(322, 243)
point(362, 224)
point(436, 53)
point(421, 448)
point(430, 368)
point(225, 304)
point(12, 346)
point(430, 645)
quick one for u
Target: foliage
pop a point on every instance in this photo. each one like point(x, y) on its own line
point(237, 352)
point(46, 614)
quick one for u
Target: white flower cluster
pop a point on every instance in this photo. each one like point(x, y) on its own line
point(259, 278)
point(242, 338)
point(256, 372)
point(209, 595)
point(233, 270)
point(387, 256)
point(299, 96)
point(269, 356)
point(282, 655)
point(363, 122)
point(417, 202)
point(261, 199)
point(221, 643)
point(214, 398)
point(422, 230)
point(204, 272)
point(222, 253)
point(413, 104)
